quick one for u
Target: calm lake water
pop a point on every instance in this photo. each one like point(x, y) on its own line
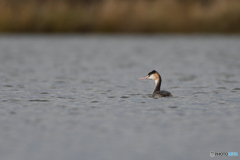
point(78, 97)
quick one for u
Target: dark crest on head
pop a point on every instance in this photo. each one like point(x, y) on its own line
point(152, 72)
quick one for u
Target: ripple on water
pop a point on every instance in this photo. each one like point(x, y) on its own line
point(7, 85)
point(222, 88)
point(94, 107)
point(62, 106)
point(188, 78)
point(11, 100)
point(135, 94)
point(121, 86)
point(173, 107)
point(20, 86)
point(147, 96)
point(44, 93)
point(157, 109)
point(74, 113)
point(199, 92)
point(38, 100)
point(124, 97)
point(236, 89)
point(61, 97)
point(59, 81)
point(227, 81)
point(199, 87)
point(12, 112)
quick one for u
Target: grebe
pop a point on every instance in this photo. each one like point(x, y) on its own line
point(154, 75)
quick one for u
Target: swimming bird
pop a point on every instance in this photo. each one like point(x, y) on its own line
point(154, 75)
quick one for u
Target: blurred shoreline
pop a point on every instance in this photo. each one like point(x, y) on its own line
point(120, 16)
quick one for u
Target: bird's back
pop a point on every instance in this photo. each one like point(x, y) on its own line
point(161, 94)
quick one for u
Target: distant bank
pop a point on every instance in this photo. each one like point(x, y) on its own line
point(127, 16)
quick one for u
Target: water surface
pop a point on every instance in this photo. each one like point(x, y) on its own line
point(79, 97)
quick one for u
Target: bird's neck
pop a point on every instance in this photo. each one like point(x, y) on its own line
point(157, 84)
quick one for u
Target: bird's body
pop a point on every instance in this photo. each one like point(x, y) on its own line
point(162, 93)
point(157, 93)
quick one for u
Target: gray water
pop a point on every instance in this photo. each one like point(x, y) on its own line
point(78, 97)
